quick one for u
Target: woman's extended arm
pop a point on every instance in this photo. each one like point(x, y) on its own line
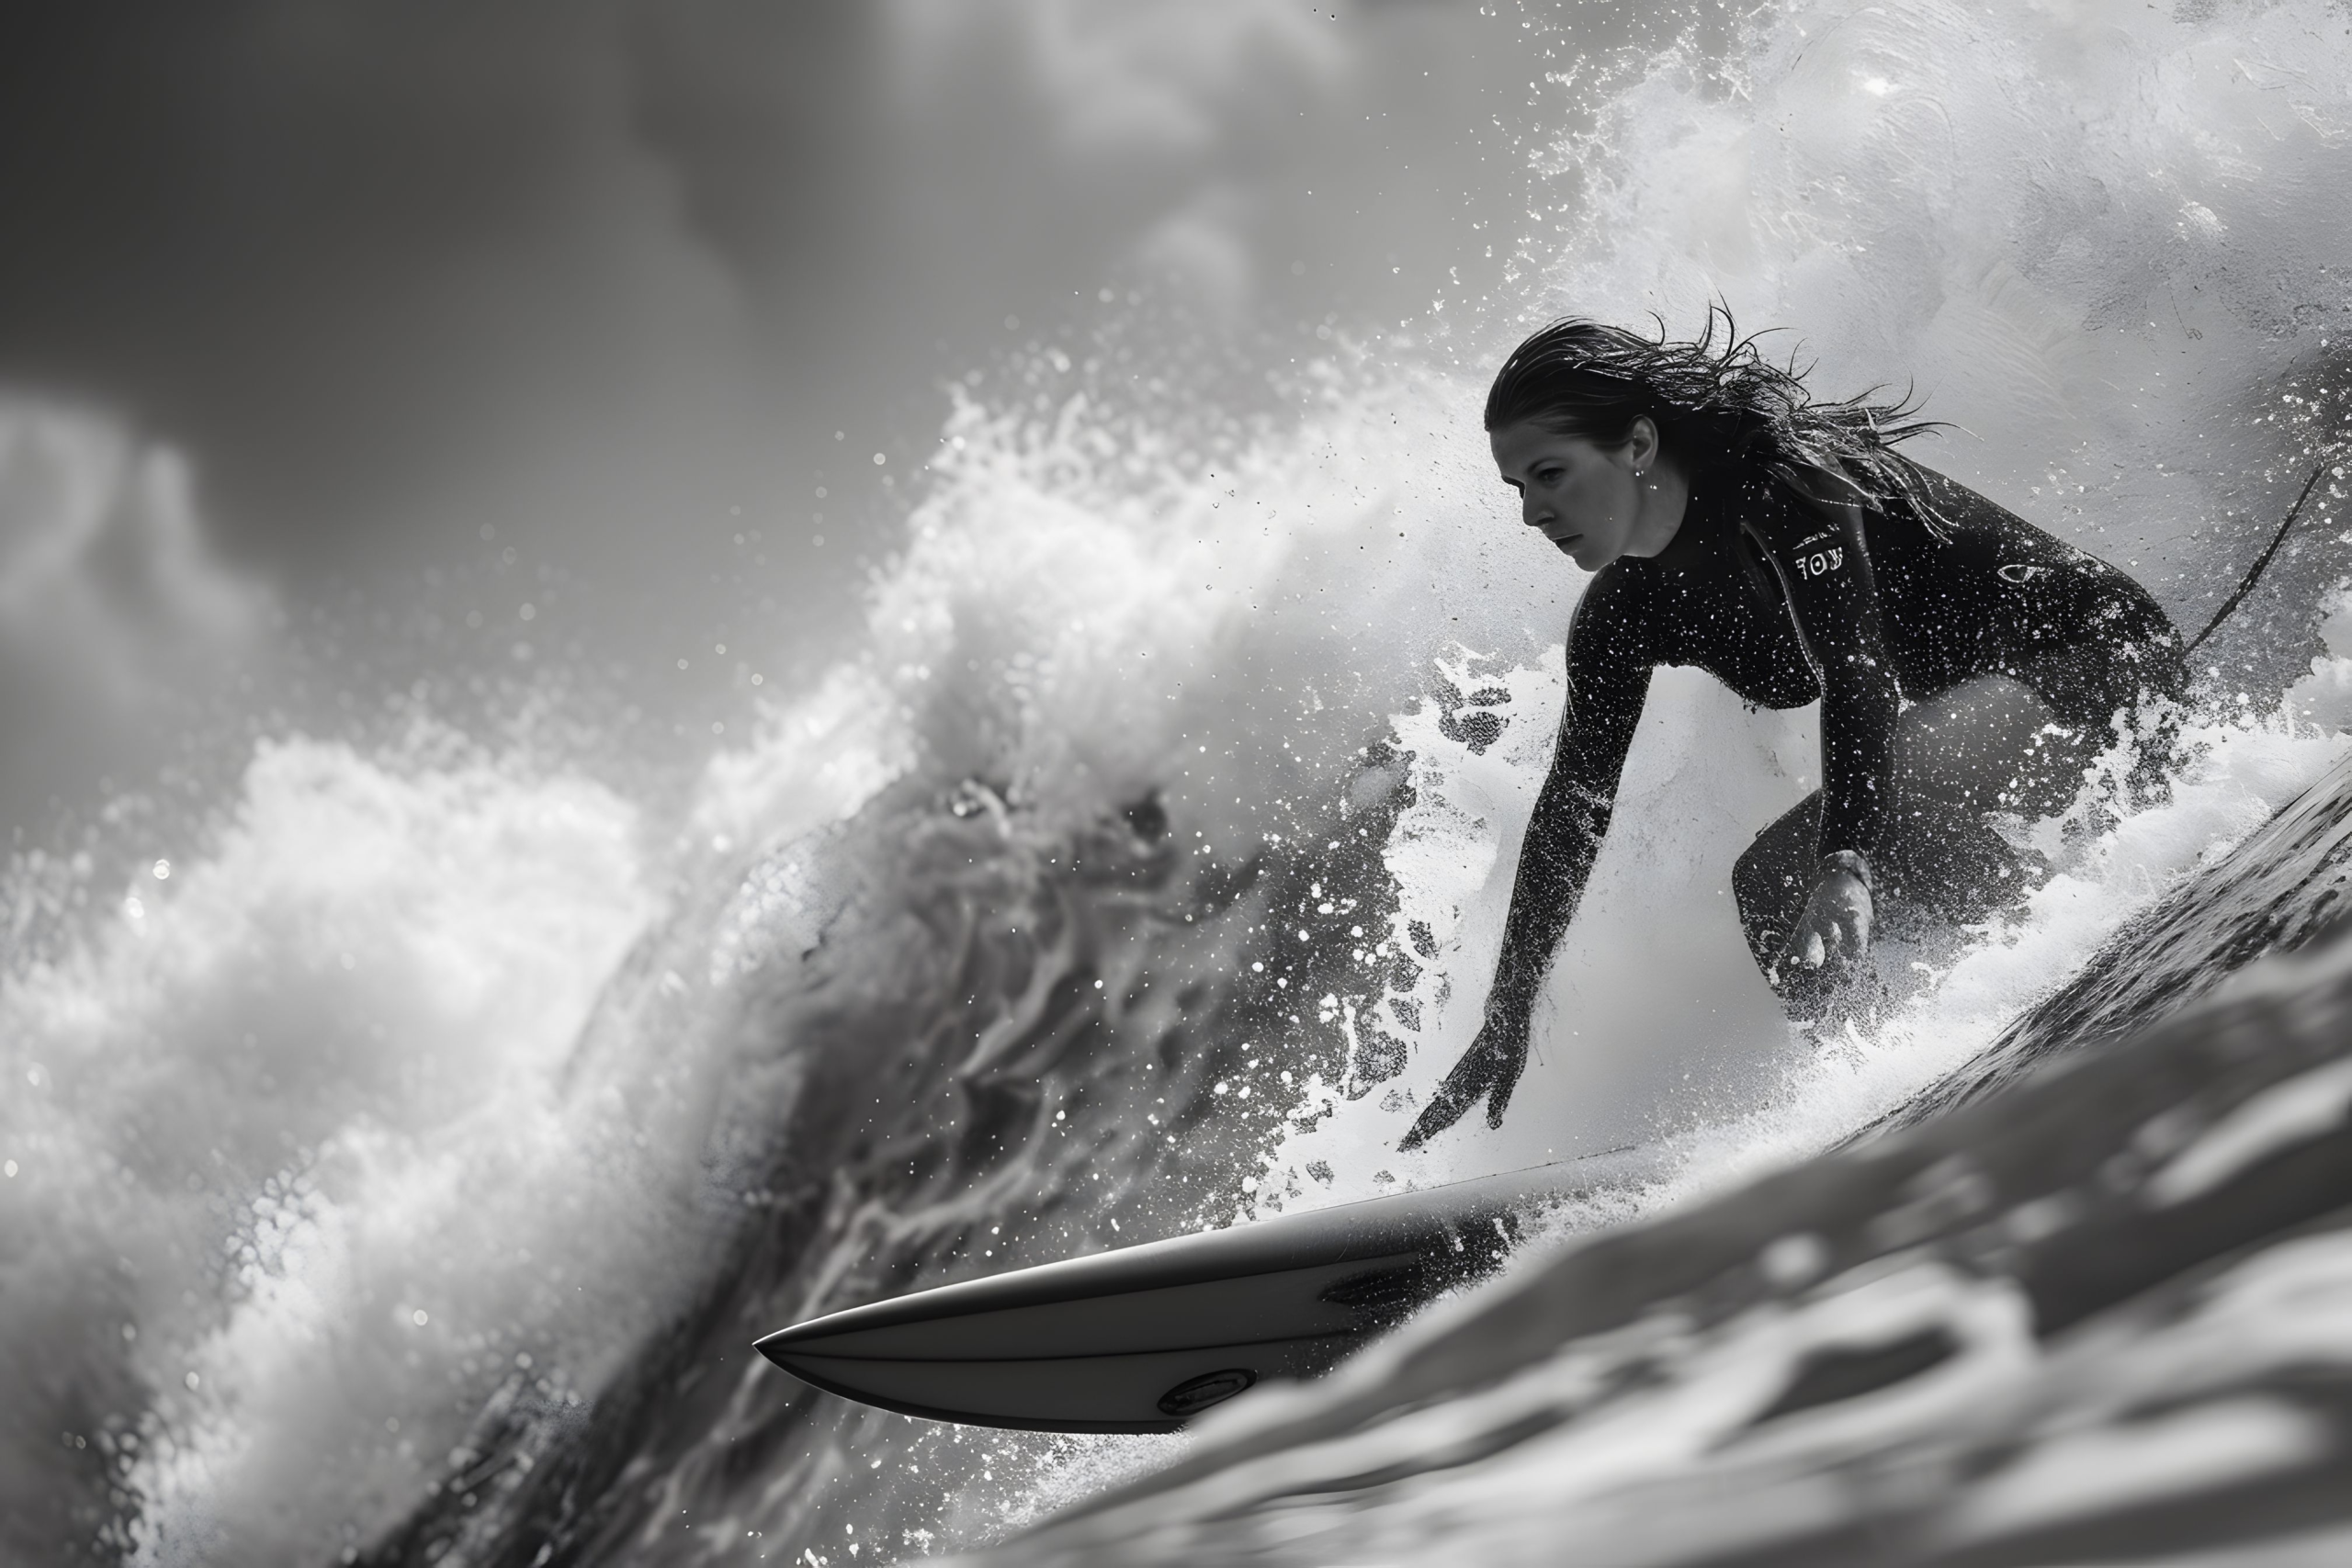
point(1818, 547)
point(1608, 680)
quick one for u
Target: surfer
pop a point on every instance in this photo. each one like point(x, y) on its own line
point(1965, 662)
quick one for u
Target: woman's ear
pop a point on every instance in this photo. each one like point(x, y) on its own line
point(1642, 444)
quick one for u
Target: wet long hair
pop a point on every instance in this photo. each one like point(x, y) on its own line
point(1718, 404)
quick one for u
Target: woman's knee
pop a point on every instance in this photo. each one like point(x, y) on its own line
point(1769, 880)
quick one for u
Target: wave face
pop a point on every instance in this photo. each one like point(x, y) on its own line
point(407, 1153)
point(2095, 1320)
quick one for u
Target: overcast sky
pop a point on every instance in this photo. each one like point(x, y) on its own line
point(387, 271)
point(594, 273)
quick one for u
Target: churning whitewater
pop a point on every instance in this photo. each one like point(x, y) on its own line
point(401, 1160)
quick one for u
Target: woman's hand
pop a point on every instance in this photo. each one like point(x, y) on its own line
point(1490, 1068)
point(1835, 930)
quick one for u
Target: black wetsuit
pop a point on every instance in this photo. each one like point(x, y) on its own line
point(1787, 603)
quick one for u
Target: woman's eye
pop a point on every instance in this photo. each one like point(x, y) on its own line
point(1547, 476)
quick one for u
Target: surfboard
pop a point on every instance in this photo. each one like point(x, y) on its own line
point(1143, 1338)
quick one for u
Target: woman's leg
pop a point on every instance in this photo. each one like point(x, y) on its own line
point(1769, 882)
point(1990, 744)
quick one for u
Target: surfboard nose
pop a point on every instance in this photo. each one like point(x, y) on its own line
point(1144, 1393)
point(1082, 1354)
point(1144, 1338)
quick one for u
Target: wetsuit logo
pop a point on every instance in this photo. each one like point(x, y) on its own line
point(2020, 573)
point(1821, 562)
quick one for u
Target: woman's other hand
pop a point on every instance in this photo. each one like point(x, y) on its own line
point(1490, 1068)
point(1835, 930)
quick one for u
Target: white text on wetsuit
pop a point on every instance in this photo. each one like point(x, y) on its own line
point(1821, 561)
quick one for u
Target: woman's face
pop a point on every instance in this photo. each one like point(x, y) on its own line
point(1587, 499)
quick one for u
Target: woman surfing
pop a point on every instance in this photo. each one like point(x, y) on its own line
point(1965, 662)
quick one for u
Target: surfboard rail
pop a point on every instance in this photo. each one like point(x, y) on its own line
point(1144, 1338)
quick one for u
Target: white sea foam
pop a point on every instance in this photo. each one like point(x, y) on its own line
point(291, 1141)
